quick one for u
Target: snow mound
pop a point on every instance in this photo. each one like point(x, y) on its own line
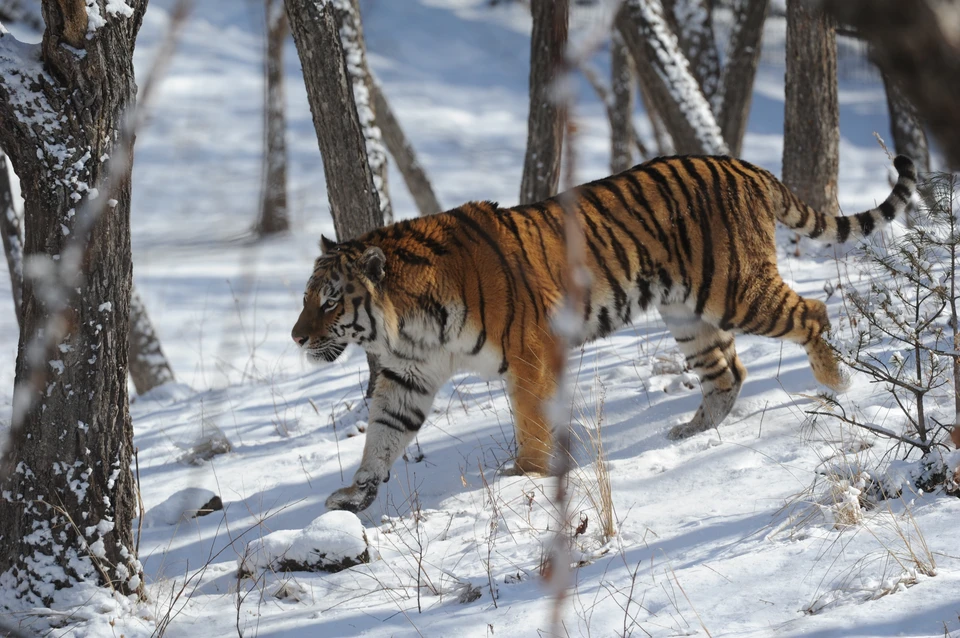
point(188, 503)
point(331, 543)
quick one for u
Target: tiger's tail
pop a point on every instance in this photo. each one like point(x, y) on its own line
point(827, 228)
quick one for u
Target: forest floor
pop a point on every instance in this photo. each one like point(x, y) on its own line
point(729, 533)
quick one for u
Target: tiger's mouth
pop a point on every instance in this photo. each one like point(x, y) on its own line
point(327, 351)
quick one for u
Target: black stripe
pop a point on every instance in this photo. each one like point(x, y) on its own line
point(408, 257)
point(707, 266)
point(888, 210)
point(866, 222)
point(412, 424)
point(843, 229)
point(390, 424)
point(603, 320)
point(643, 255)
point(411, 385)
point(713, 376)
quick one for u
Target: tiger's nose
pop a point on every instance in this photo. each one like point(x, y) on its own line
point(299, 339)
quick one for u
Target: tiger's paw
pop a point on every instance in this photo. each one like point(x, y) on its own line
point(524, 467)
point(355, 498)
point(686, 430)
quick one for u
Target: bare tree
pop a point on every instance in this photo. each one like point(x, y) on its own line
point(811, 126)
point(548, 41)
point(347, 13)
point(403, 154)
point(337, 99)
point(915, 45)
point(909, 138)
point(11, 229)
point(736, 86)
point(621, 105)
point(149, 367)
point(692, 22)
point(273, 193)
point(669, 85)
point(65, 473)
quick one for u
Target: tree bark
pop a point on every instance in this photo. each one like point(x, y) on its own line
point(273, 196)
point(68, 493)
point(692, 22)
point(909, 138)
point(11, 229)
point(347, 13)
point(668, 82)
point(915, 44)
point(743, 55)
point(149, 367)
point(342, 115)
point(548, 41)
point(811, 127)
point(403, 154)
point(622, 86)
point(622, 131)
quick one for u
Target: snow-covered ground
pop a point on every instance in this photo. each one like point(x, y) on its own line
point(713, 536)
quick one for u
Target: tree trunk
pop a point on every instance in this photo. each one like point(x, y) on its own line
point(403, 154)
point(621, 124)
point(273, 195)
point(668, 82)
point(69, 495)
point(811, 127)
point(692, 22)
point(736, 90)
point(11, 228)
point(149, 367)
point(621, 109)
point(548, 42)
point(915, 44)
point(909, 138)
point(350, 27)
point(342, 115)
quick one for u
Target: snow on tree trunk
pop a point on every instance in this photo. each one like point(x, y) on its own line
point(149, 367)
point(68, 496)
point(909, 138)
point(621, 108)
point(692, 22)
point(342, 118)
point(916, 45)
point(811, 127)
point(347, 13)
point(669, 84)
point(548, 42)
point(403, 154)
point(736, 86)
point(273, 197)
point(11, 229)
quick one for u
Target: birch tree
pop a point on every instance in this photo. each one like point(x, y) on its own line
point(68, 493)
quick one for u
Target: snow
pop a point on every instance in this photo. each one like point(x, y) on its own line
point(181, 506)
point(726, 532)
point(330, 539)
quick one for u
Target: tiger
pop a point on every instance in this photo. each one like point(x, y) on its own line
point(477, 288)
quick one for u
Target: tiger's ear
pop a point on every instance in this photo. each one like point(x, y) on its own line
point(326, 245)
point(372, 264)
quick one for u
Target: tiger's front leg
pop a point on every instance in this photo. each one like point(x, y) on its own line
point(400, 404)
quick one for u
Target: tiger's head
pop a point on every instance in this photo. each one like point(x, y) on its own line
point(340, 302)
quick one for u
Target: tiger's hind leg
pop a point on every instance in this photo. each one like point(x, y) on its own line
point(711, 353)
point(781, 313)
